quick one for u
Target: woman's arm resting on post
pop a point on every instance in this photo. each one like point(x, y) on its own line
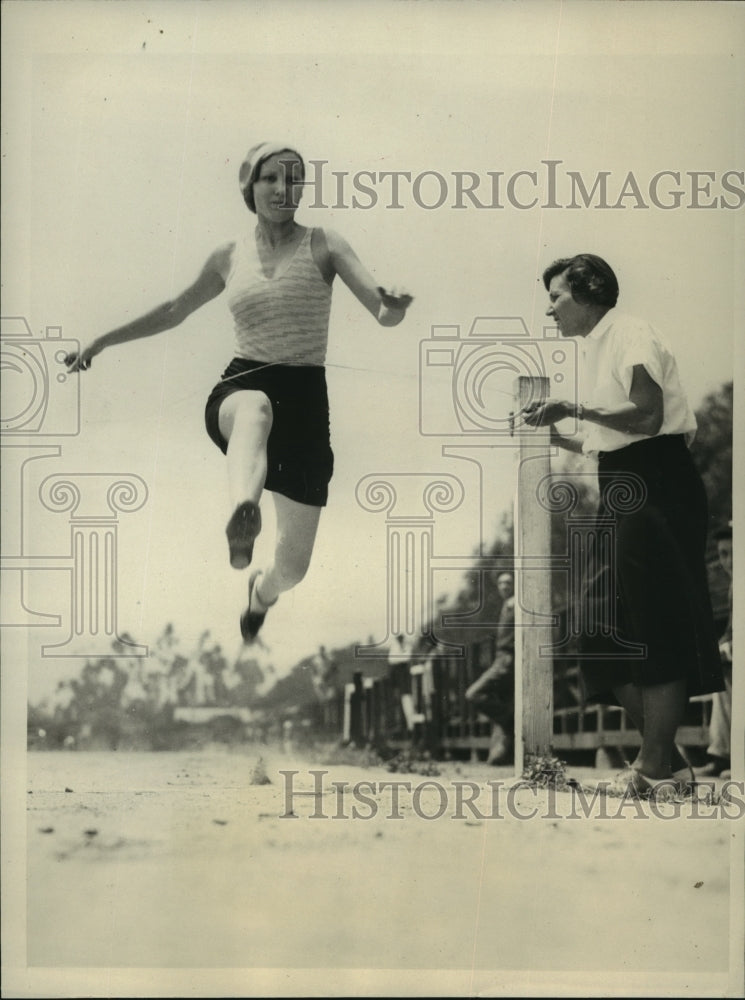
point(166, 316)
point(389, 308)
point(642, 413)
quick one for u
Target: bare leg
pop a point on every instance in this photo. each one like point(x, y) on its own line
point(245, 419)
point(664, 706)
point(474, 690)
point(632, 699)
point(297, 524)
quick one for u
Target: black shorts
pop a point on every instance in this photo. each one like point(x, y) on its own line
point(300, 461)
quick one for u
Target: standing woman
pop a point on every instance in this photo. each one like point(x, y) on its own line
point(269, 413)
point(651, 592)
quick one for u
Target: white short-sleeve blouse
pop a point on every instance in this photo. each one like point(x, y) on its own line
point(607, 356)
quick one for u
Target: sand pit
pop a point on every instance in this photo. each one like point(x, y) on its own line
point(174, 874)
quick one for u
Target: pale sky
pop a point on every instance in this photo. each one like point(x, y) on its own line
point(124, 127)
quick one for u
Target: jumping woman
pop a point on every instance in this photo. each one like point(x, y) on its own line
point(269, 413)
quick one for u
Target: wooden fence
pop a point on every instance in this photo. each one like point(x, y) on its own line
point(422, 705)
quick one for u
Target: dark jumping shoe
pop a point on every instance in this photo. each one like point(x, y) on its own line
point(242, 529)
point(251, 621)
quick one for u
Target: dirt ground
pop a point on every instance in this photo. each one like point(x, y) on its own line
point(180, 874)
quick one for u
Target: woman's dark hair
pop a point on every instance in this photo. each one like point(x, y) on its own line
point(591, 280)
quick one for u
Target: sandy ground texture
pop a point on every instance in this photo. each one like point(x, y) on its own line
point(180, 874)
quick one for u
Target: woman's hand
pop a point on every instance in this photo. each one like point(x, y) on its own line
point(393, 306)
point(542, 414)
point(397, 298)
point(546, 414)
point(80, 361)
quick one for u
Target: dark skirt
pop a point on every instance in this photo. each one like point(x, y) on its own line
point(300, 462)
point(647, 616)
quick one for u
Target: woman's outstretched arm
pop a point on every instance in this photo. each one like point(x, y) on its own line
point(389, 308)
point(166, 316)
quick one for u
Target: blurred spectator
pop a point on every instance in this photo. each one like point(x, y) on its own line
point(720, 726)
point(493, 693)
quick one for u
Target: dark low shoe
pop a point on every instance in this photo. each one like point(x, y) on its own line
point(242, 529)
point(251, 621)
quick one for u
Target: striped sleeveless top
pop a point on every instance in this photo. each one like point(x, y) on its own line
point(283, 319)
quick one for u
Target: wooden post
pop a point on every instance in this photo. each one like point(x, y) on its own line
point(347, 713)
point(357, 710)
point(533, 670)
